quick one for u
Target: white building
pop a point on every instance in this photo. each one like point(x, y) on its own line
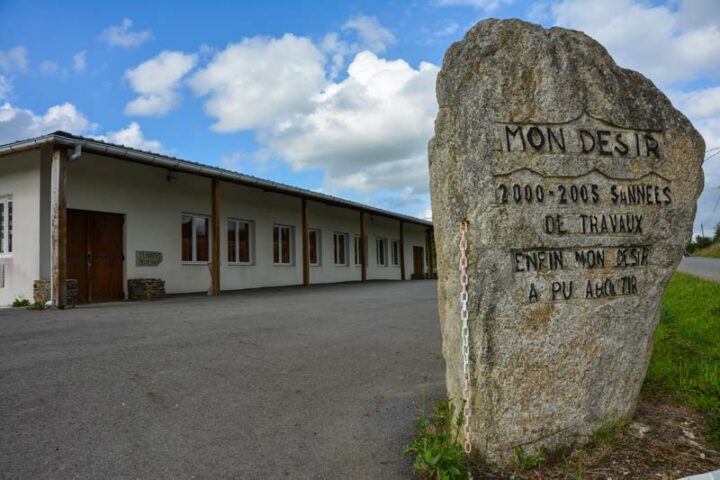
point(102, 214)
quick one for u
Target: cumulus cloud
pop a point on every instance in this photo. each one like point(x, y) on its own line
point(667, 46)
point(132, 136)
point(252, 83)
point(18, 123)
point(122, 35)
point(373, 36)
point(157, 81)
point(369, 132)
point(14, 60)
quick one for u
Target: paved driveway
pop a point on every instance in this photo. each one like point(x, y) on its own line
point(319, 382)
point(705, 267)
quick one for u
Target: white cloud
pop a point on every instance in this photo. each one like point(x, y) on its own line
point(236, 160)
point(660, 43)
point(50, 68)
point(79, 61)
point(14, 60)
point(17, 123)
point(122, 36)
point(486, 5)
point(699, 103)
point(373, 36)
point(369, 132)
point(132, 136)
point(157, 80)
point(252, 83)
point(5, 87)
point(449, 29)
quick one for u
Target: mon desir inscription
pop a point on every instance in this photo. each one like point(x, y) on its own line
point(579, 182)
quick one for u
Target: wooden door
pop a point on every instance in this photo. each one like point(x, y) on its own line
point(418, 261)
point(96, 255)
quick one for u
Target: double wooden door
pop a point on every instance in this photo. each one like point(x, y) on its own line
point(95, 255)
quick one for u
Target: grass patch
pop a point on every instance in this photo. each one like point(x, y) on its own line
point(686, 353)
point(438, 453)
point(712, 251)
point(20, 303)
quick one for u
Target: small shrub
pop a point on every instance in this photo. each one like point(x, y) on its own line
point(36, 306)
point(20, 302)
point(438, 454)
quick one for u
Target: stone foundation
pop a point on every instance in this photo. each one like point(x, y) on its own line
point(146, 289)
point(41, 291)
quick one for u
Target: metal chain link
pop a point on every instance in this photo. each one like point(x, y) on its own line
point(467, 446)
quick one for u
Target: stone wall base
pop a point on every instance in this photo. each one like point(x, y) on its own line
point(146, 289)
point(41, 291)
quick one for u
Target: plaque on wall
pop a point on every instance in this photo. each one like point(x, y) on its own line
point(147, 259)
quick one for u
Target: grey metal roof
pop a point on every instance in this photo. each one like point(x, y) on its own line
point(177, 164)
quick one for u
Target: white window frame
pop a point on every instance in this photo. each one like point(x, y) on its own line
point(395, 252)
point(291, 245)
point(251, 241)
point(357, 254)
point(318, 246)
point(193, 239)
point(5, 246)
point(337, 238)
point(381, 246)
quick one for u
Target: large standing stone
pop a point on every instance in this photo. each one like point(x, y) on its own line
point(579, 181)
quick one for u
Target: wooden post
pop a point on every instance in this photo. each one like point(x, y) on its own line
point(305, 243)
point(58, 232)
point(363, 246)
point(215, 253)
point(402, 252)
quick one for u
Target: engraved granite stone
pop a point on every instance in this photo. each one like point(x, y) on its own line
point(579, 181)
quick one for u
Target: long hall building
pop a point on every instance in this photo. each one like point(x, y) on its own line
point(104, 216)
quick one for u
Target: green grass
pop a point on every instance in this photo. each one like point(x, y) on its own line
point(438, 453)
point(712, 251)
point(686, 353)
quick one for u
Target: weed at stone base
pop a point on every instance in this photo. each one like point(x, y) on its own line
point(528, 462)
point(20, 302)
point(438, 454)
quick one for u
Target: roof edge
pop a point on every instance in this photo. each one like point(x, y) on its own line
point(163, 161)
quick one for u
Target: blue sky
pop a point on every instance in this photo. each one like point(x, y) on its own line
point(330, 96)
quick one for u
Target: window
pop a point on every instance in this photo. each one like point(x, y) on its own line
point(195, 238)
point(282, 245)
point(357, 241)
point(239, 243)
point(395, 250)
point(340, 248)
point(314, 247)
point(6, 228)
point(381, 251)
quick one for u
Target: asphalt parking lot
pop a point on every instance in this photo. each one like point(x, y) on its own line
point(319, 382)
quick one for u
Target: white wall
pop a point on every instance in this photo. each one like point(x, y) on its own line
point(153, 207)
point(20, 179)
point(330, 220)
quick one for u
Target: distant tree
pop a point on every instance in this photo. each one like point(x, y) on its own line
point(702, 242)
point(716, 237)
